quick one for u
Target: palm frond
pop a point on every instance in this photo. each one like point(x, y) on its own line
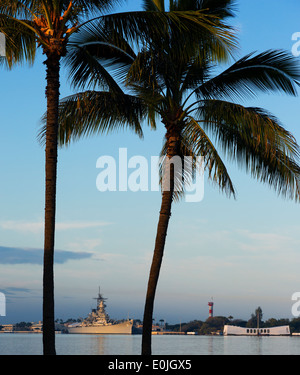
point(21, 8)
point(87, 71)
point(92, 54)
point(20, 42)
point(270, 71)
point(96, 6)
point(220, 8)
point(145, 72)
point(256, 141)
point(151, 5)
point(198, 71)
point(201, 145)
point(216, 37)
point(97, 112)
point(197, 153)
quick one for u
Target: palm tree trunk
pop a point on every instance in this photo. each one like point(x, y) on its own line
point(52, 95)
point(162, 228)
point(161, 235)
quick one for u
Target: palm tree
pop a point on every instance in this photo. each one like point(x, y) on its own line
point(250, 136)
point(51, 23)
point(193, 108)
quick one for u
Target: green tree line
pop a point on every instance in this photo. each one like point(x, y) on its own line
point(216, 324)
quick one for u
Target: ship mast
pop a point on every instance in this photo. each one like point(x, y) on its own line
point(99, 298)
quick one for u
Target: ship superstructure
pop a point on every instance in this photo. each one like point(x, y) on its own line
point(98, 321)
point(98, 316)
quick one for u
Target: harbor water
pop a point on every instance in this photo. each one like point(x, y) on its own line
point(31, 344)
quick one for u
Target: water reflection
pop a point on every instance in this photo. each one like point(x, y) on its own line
point(106, 344)
point(101, 344)
point(24, 344)
point(256, 345)
point(259, 345)
point(214, 345)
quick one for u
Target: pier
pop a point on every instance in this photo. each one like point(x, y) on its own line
point(171, 333)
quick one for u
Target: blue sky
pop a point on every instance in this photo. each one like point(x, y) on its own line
point(244, 253)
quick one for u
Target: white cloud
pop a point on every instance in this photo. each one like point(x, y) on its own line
point(38, 226)
point(80, 225)
point(88, 245)
point(257, 242)
point(19, 226)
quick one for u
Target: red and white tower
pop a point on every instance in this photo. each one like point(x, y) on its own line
point(211, 309)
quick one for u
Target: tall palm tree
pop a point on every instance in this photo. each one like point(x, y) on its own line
point(200, 116)
point(51, 23)
point(251, 136)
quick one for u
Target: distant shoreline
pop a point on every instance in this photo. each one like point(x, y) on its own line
point(31, 332)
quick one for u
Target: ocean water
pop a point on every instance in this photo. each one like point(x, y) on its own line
point(31, 344)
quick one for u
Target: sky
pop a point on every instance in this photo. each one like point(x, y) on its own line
point(241, 253)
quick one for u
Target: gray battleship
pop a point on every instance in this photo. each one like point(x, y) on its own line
point(99, 322)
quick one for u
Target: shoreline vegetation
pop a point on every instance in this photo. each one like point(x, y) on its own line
point(211, 326)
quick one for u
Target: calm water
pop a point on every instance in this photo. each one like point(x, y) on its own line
point(31, 344)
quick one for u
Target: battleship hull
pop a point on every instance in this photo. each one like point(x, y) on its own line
point(125, 328)
point(98, 322)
